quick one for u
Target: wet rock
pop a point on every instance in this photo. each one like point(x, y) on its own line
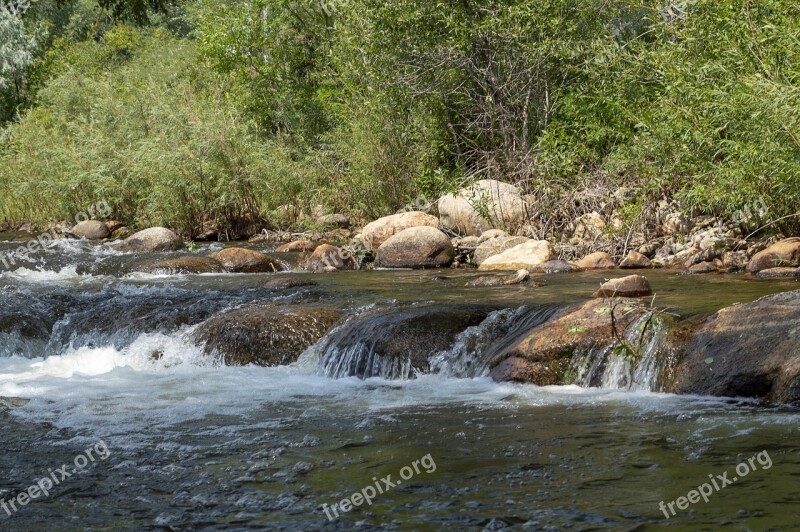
point(417, 247)
point(376, 233)
point(500, 280)
point(631, 286)
point(702, 267)
point(492, 233)
point(239, 260)
point(297, 246)
point(395, 344)
point(749, 350)
point(556, 266)
point(495, 246)
point(596, 261)
point(264, 335)
point(524, 256)
point(285, 284)
point(91, 230)
point(334, 220)
point(779, 273)
point(151, 240)
point(781, 254)
point(635, 260)
point(502, 203)
point(327, 258)
point(545, 354)
point(181, 265)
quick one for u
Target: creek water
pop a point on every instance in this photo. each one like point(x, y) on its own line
point(194, 445)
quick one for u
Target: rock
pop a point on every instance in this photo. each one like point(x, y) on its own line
point(556, 266)
point(264, 335)
point(417, 247)
point(327, 258)
point(588, 228)
point(502, 203)
point(779, 273)
point(649, 250)
point(181, 265)
point(675, 223)
point(91, 230)
point(735, 260)
point(491, 233)
point(113, 225)
point(500, 280)
point(544, 355)
point(297, 246)
point(285, 284)
point(376, 233)
point(495, 246)
point(466, 242)
point(631, 286)
point(783, 253)
point(749, 350)
point(702, 267)
point(208, 235)
point(239, 260)
point(596, 261)
point(334, 220)
point(635, 260)
point(525, 256)
point(396, 343)
point(151, 240)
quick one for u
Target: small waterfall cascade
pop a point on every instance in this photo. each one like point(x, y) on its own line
point(634, 365)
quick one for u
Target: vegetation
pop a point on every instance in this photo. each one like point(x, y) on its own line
point(201, 113)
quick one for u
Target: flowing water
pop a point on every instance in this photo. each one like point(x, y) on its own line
point(195, 445)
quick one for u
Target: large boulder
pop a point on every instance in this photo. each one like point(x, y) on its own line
point(418, 247)
point(495, 246)
point(545, 355)
point(486, 204)
point(264, 335)
point(599, 260)
point(376, 233)
point(151, 240)
point(781, 254)
point(239, 260)
point(328, 258)
point(749, 350)
point(524, 256)
point(630, 286)
point(91, 230)
point(181, 265)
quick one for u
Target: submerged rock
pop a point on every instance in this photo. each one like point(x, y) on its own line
point(265, 335)
point(631, 286)
point(239, 260)
point(556, 266)
point(151, 240)
point(545, 355)
point(781, 254)
point(779, 273)
point(500, 280)
point(749, 350)
point(417, 247)
point(376, 233)
point(285, 284)
point(181, 265)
